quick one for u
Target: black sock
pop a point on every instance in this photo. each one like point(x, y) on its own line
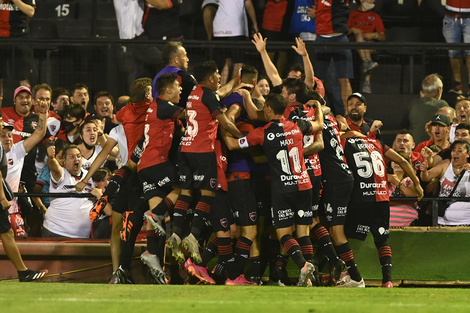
point(119, 177)
point(385, 257)
point(163, 207)
point(325, 245)
point(241, 253)
point(345, 253)
point(225, 249)
point(152, 243)
point(210, 251)
point(203, 208)
point(292, 249)
point(132, 225)
point(306, 247)
point(179, 214)
point(255, 266)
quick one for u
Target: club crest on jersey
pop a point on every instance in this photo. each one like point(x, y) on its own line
point(34, 124)
point(213, 182)
point(10, 161)
point(223, 222)
point(252, 216)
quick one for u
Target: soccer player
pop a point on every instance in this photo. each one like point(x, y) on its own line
point(282, 143)
point(369, 207)
point(197, 159)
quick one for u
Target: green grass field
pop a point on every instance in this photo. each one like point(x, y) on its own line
point(90, 298)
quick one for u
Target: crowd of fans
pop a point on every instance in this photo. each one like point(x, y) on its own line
point(165, 160)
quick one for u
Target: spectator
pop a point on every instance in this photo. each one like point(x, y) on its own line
point(404, 144)
point(16, 154)
point(421, 111)
point(161, 19)
point(230, 23)
point(59, 100)
point(14, 22)
point(275, 18)
point(104, 110)
point(455, 29)
point(366, 25)
point(448, 172)
point(209, 8)
point(6, 232)
point(264, 85)
point(68, 217)
point(73, 117)
point(80, 95)
point(102, 228)
point(462, 114)
point(402, 213)
point(440, 128)
point(356, 109)
point(332, 26)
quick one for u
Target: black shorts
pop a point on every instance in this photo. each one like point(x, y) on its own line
point(128, 195)
point(335, 198)
point(242, 199)
point(292, 208)
point(221, 216)
point(316, 191)
point(197, 171)
point(262, 189)
point(368, 216)
point(157, 180)
point(5, 224)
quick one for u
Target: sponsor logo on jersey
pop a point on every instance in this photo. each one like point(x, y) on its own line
point(303, 213)
point(285, 214)
point(163, 182)
point(199, 178)
point(362, 229)
point(146, 187)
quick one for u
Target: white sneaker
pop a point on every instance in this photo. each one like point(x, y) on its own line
point(156, 270)
point(347, 281)
point(190, 243)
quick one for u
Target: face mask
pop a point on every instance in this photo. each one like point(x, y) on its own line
point(67, 126)
point(88, 146)
point(368, 6)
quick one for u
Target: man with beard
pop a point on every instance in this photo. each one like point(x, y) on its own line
point(357, 107)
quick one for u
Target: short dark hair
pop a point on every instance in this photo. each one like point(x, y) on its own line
point(78, 86)
point(67, 148)
point(276, 102)
point(250, 72)
point(41, 86)
point(104, 93)
point(170, 50)
point(74, 110)
point(88, 120)
point(463, 126)
point(298, 68)
point(403, 132)
point(138, 89)
point(164, 81)
point(461, 142)
point(297, 86)
point(312, 95)
point(101, 173)
point(202, 71)
point(57, 92)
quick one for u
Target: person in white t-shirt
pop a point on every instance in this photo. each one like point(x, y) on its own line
point(16, 154)
point(68, 217)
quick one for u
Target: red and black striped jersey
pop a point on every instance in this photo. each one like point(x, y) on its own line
point(332, 159)
point(331, 16)
point(365, 157)
point(282, 143)
point(13, 22)
point(201, 110)
point(307, 113)
point(158, 132)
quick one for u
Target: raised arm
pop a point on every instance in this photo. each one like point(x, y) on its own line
point(308, 67)
point(40, 131)
point(228, 126)
point(54, 166)
point(100, 159)
point(395, 157)
point(251, 109)
point(269, 66)
point(25, 8)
